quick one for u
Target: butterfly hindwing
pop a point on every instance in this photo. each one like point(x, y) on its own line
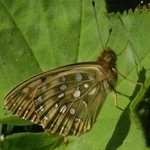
point(65, 100)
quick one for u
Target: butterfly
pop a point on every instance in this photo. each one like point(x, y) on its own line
point(66, 100)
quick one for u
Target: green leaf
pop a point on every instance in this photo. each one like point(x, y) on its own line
point(41, 35)
point(32, 141)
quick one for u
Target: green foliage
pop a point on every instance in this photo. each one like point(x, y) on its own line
point(40, 35)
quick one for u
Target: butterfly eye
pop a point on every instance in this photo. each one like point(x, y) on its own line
point(108, 59)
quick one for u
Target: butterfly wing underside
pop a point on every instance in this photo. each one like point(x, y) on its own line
point(65, 100)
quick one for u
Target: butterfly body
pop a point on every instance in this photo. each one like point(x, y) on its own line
point(66, 100)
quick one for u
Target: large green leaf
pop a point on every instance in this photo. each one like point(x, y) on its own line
point(39, 35)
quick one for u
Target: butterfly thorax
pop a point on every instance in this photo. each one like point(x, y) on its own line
point(108, 60)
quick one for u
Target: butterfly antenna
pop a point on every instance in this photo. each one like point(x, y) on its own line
point(93, 3)
point(110, 30)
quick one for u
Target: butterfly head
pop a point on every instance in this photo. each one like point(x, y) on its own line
point(108, 57)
